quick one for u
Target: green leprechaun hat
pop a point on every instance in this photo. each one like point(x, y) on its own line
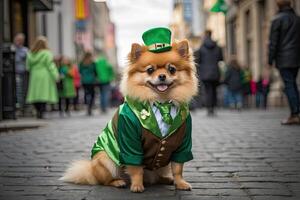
point(157, 39)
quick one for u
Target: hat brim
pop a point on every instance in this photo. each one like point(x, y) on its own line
point(161, 49)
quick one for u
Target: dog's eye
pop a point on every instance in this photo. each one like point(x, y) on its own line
point(171, 69)
point(150, 70)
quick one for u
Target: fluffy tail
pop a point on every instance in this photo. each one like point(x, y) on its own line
point(80, 172)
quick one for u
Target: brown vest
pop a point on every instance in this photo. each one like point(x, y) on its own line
point(157, 151)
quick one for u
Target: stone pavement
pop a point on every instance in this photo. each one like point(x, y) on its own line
point(238, 156)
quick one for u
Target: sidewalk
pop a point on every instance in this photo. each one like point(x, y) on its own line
point(237, 156)
point(21, 124)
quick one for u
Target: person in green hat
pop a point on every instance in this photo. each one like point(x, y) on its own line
point(105, 75)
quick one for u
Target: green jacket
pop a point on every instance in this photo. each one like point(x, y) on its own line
point(87, 73)
point(43, 75)
point(105, 72)
point(125, 138)
point(68, 90)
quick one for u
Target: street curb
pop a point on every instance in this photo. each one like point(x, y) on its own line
point(22, 125)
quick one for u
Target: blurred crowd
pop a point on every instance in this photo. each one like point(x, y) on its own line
point(43, 79)
point(59, 80)
point(65, 84)
point(234, 83)
point(238, 84)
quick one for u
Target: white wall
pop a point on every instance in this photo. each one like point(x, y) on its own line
point(66, 8)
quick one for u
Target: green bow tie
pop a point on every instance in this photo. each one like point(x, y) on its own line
point(165, 109)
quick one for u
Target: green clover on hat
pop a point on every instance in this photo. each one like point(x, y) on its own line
point(157, 39)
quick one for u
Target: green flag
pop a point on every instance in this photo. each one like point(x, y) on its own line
point(219, 6)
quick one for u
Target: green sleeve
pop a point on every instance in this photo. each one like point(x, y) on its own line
point(52, 67)
point(184, 152)
point(129, 138)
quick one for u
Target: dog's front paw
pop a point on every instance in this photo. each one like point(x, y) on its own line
point(119, 183)
point(137, 188)
point(182, 185)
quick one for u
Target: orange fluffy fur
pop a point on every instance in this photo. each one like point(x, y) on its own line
point(135, 84)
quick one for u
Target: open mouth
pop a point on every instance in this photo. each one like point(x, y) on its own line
point(161, 87)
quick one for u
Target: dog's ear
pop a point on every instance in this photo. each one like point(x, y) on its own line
point(136, 52)
point(183, 48)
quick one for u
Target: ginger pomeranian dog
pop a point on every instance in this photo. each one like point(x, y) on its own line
point(149, 137)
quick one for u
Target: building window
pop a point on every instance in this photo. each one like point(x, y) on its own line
point(248, 33)
point(232, 37)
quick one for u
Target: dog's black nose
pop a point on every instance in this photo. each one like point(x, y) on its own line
point(162, 77)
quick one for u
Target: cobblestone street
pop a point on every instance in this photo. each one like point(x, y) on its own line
point(237, 156)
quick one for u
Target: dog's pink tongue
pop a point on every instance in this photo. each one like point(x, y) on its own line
point(162, 87)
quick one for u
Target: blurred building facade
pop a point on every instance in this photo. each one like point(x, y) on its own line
point(77, 26)
point(58, 27)
point(17, 16)
point(247, 30)
point(191, 18)
point(243, 31)
point(71, 26)
point(188, 21)
point(103, 32)
point(20, 17)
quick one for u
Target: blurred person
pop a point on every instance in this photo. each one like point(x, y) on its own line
point(105, 74)
point(43, 75)
point(20, 69)
point(284, 48)
point(57, 61)
point(116, 96)
point(262, 91)
point(233, 79)
point(224, 87)
point(87, 69)
point(77, 85)
point(246, 81)
point(207, 58)
point(68, 89)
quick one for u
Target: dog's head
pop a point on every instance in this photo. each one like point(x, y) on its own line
point(165, 76)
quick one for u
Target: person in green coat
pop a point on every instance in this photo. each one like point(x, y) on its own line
point(88, 78)
point(43, 75)
point(105, 74)
point(67, 92)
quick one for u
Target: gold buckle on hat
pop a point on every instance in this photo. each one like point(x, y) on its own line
point(156, 46)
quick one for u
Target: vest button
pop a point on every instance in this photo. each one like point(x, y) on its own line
point(162, 148)
point(163, 142)
point(157, 164)
point(160, 155)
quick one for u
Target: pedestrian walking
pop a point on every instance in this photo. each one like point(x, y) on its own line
point(262, 92)
point(207, 58)
point(284, 50)
point(233, 80)
point(20, 69)
point(246, 80)
point(87, 69)
point(105, 74)
point(43, 75)
point(67, 93)
point(77, 85)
